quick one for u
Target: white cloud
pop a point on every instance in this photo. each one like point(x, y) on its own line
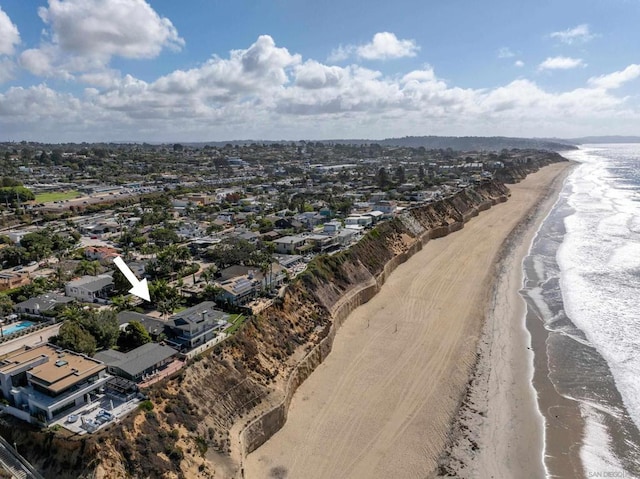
point(519, 63)
point(125, 28)
point(37, 61)
point(341, 53)
point(314, 75)
point(560, 63)
point(616, 79)
point(383, 46)
point(7, 69)
point(84, 35)
point(267, 92)
point(505, 52)
point(9, 35)
point(579, 34)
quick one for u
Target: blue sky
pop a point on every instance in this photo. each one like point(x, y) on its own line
point(136, 70)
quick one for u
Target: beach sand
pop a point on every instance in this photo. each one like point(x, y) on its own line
point(383, 403)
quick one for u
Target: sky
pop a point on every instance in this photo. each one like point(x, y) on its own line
point(216, 70)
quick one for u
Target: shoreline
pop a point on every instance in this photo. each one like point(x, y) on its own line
point(502, 417)
point(385, 396)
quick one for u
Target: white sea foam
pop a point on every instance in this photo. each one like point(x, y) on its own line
point(595, 453)
point(599, 261)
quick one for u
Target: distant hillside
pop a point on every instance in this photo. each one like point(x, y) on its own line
point(604, 139)
point(475, 143)
point(458, 143)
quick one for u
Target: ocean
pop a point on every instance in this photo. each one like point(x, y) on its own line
point(582, 281)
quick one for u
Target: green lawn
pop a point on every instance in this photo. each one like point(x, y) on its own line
point(236, 322)
point(57, 196)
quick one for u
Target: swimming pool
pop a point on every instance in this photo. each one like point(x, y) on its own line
point(15, 327)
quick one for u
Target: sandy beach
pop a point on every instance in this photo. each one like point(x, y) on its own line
point(383, 403)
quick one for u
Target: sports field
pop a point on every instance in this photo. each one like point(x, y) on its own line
point(57, 196)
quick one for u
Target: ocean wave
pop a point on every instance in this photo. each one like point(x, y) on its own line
point(599, 261)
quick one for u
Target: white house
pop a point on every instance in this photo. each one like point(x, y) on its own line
point(89, 288)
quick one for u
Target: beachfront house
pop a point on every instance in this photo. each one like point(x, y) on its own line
point(44, 383)
point(195, 326)
point(139, 363)
point(290, 244)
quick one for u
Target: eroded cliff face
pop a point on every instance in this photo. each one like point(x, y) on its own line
point(230, 400)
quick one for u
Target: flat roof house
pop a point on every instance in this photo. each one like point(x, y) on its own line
point(196, 325)
point(42, 383)
point(290, 244)
point(138, 363)
point(12, 280)
point(89, 288)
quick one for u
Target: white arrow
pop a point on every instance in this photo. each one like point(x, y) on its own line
point(140, 288)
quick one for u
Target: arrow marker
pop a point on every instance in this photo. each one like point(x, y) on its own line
point(140, 288)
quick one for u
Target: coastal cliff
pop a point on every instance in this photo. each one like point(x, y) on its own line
point(232, 399)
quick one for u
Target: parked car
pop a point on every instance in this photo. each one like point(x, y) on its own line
point(17, 268)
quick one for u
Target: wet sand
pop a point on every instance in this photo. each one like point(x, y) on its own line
point(383, 402)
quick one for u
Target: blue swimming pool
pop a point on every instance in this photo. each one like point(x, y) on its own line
point(15, 327)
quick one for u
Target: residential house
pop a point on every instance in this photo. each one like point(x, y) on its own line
point(388, 207)
point(42, 384)
point(346, 236)
point(90, 288)
point(240, 284)
point(376, 216)
point(154, 326)
point(322, 243)
point(41, 304)
point(13, 280)
point(290, 244)
point(332, 227)
point(239, 290)
point(139, 363)
point(288, 223)
point(310, 219)
point(359, 220)
point(195, 326)
point(191, 229)
point(101, 253)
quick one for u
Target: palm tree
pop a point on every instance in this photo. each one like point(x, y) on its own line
point(208, 274)
point(59, 276)
point(88, 268)
point(121, 303)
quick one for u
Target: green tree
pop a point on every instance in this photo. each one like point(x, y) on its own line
point(13, 194)
point(6, 305)
point(134, 336)
point(208, 274)
point(165, 297)
point(164, 236)
point(72, 336)
point(39, 245)
point(400, 175)
point(103, 326)
point(13, 255)
point(121, 303)
point(120, 282)
point(382, 177)
point(88, 268)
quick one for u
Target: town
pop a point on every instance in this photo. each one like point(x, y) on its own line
point(218, 231)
